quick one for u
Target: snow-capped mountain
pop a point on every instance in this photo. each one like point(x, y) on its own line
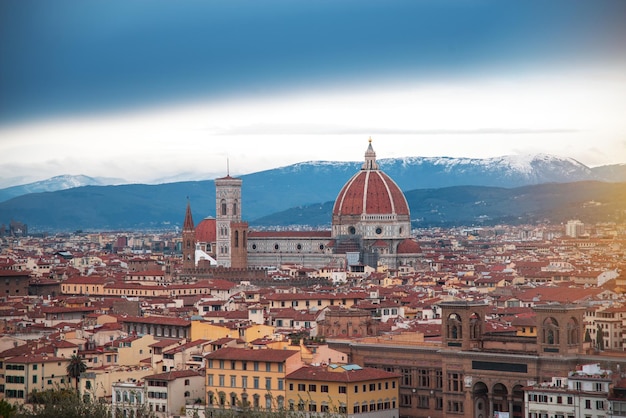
point(308, 184)
point(53, 184)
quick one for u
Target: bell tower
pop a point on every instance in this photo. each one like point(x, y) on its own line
point(189, 241)
point(230, 230)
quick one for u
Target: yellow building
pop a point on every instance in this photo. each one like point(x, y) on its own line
point(132, 351)
point(343, 389)
point(204, 330)
point(23, 374)
point(245, 378)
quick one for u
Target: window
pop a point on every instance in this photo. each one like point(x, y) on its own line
point(455, 407)
point(256, 366)
point(600, 405)
point(343, 389)
point(268, 383)
point(221, 380)
point(244, 381)
point(280, 367)
point(255, 382)
point(232, 365)
point(233, 381)
point(268, 367)
point(312, 388)
point(406, 377)
point(324, 388)
point(281, 384)
point(455, 382)
point(301, 387)
point(210, 380)
point(423, 378)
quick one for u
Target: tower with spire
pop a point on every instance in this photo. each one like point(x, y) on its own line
point(189, 241)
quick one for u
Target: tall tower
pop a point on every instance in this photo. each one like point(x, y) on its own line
point(189, 241)
point(232, 233)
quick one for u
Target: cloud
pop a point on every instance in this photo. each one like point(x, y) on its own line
point(311, 129)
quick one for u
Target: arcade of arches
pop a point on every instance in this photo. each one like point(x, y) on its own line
point(474, 373)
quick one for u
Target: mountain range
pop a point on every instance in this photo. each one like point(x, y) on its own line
point(440, 191)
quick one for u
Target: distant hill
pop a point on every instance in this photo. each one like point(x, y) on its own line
point(589, 201)
point(56, 183)
point(302, 193)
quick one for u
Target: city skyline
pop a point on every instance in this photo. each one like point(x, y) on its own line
point(113, 91)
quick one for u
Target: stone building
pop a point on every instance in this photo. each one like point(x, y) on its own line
point(474, 373)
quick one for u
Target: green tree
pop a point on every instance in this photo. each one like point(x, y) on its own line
point(6, 409)
point(75, 368)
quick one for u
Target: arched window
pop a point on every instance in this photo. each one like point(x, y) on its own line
point(236, 239)
point(223, 207)
point(235, 208)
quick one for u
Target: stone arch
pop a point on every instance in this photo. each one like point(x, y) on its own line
point(500, 398)
point(573, 331)
point(517, 400)
point(454, 327)
point(476, 326)
point(550, 333)
point(480, 396)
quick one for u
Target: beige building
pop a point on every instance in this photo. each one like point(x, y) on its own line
point(133, 350)
point(168, 393)
point(96, 383)
point(23, 374)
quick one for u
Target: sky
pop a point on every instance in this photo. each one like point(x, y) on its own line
point(164, 91)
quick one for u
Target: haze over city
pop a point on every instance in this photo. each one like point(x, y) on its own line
point(144, 92)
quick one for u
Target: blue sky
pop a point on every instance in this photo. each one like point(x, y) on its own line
point(147, 90)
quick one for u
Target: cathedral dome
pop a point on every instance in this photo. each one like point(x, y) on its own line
point(370, 192)
point(205, 230)
point(371, 205)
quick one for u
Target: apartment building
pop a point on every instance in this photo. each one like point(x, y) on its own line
point(168, 393)
point(344, 389)
point(246, 378)
point(23, 374)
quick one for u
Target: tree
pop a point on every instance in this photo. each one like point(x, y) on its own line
point(75, 368)
point(6, 409)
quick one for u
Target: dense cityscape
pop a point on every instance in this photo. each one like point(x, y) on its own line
point(369, 319)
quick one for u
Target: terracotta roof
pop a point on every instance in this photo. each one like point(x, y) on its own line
point(346, 376)
point(206, 231)
point(173, 375)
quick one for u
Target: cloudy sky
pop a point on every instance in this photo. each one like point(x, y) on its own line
point(151, 90)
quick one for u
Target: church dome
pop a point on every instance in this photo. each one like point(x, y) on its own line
point(370, 192)
point(408, 246)
point(206, 231)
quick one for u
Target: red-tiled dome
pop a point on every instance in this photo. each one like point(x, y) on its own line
point(408, 246)
point(370, 192)
point(206, 230)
